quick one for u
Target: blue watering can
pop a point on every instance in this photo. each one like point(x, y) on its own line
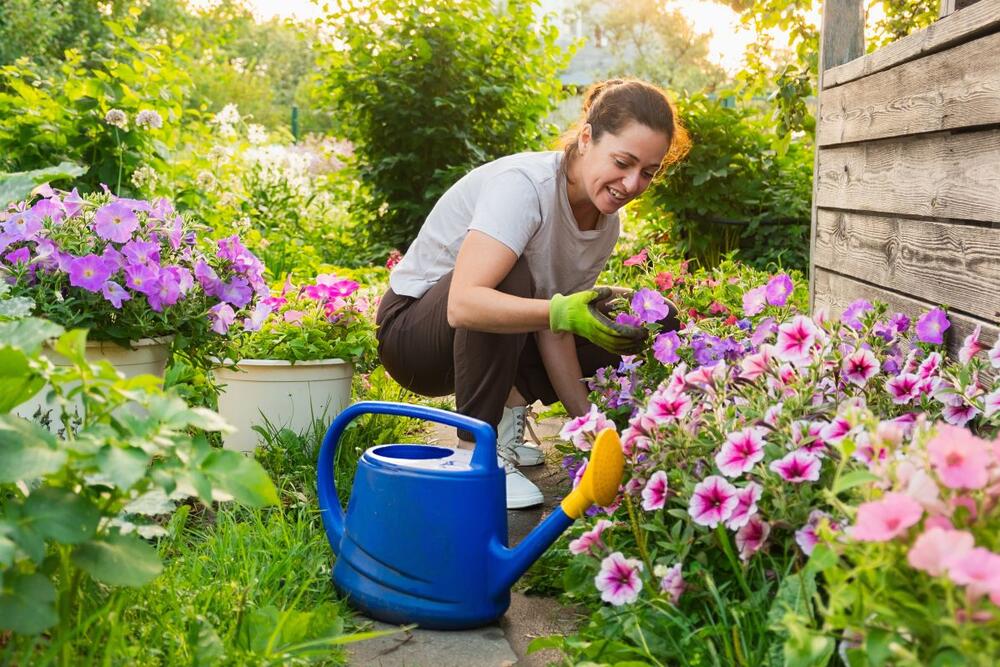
point(424, 539)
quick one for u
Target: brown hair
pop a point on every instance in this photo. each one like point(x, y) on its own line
point(609, 106)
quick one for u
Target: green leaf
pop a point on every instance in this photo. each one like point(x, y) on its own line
point(852, 479)
point(61, 515)
point(29, 334)
point(206, 645)
point(808, 649)
point(27, 605)
point(73, 345)
point(208, 420)
point(118, 560)
point(241, 477)
point(821, 559)
point(123, 465)
point(27, 451)
point(18, 382)
point(877, 646)
point(16, 186)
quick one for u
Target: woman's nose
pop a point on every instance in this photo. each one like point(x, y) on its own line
point(631, 182)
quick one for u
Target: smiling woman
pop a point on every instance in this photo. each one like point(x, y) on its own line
point(514, 248)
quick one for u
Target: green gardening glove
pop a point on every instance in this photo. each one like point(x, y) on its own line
point(578, 314)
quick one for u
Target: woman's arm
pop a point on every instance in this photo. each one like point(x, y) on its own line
point(558, 351)
point(473, 300)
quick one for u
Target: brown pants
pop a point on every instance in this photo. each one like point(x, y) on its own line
point(423, 353)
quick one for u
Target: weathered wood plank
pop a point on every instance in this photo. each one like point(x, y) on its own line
point(843, 32)
point(961, 26)
point(952, 89)
point(939, 175)
point(931, 261)
point(836, 292)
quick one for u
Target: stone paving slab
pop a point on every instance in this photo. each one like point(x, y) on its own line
point(499, 645)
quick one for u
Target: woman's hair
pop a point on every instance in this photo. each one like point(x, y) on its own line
point(609, 106)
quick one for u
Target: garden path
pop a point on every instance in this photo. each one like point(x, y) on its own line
point(502, 644)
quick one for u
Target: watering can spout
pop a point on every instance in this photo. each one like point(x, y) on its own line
point(599, 485)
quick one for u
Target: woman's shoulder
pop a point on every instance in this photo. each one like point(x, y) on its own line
point(538, 167)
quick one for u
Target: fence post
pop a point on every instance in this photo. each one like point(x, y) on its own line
point(295, 122)
point(842, 39)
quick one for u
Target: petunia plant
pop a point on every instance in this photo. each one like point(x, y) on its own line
point(125, 269)
point(734, 460)
point(325, 319)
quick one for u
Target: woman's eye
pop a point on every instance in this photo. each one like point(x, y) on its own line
point(620, 164)
point(648, 175)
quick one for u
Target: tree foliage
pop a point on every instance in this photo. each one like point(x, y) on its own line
point(426, 89)
point(652, 40)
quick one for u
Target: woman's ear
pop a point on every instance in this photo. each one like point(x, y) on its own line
point(583, 140)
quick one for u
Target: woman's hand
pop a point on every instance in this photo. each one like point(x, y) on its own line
point(579, 314)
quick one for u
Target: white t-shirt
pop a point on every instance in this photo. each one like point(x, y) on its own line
point(521, 201)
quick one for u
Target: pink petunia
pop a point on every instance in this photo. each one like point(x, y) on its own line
point(663, 408)
point(884, 519)
point(795, 340)
point(671, 582)
point(755, 365)
point(741, 451)
point(959, 413)
point(991, 403)
point(746, 505)
point(806, 537)
point(797, 467)
point(978, 570)
point(971, 345)
point(293, 316)
point(929, 366)
point(637, 259)
point(834, 432)
point(903, 388)
point(994, 354)
point(654, 495)
point(772, 413)
point(577, 429)
point(590, 541)
point(960, 459)
point(860, 366)
point(754, 301)
point(936, 547)
point(619, 580)
point(751, 537)
point(713, 501)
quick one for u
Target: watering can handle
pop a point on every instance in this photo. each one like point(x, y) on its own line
point(484, 456)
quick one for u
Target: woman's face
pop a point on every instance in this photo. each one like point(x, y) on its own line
point(619, 167)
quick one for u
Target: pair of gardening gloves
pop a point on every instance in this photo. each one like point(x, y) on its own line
point(582, 314)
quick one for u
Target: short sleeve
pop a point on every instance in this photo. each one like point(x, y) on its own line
point(508, 209)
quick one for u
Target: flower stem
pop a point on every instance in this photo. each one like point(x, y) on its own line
point(640, 536)
point(731, 555)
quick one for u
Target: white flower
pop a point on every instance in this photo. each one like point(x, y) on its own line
point(117, 118)
point(144, 176)
point(257, 134)
point(149, 118)
point(229, 115)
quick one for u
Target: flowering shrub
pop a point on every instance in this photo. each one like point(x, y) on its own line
point(124, 268)
point(916, 578)
point(734, 463)
point(327, 319)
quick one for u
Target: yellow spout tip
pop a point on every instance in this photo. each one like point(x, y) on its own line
point(602, 477)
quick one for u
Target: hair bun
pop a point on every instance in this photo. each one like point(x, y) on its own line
point(595, 91)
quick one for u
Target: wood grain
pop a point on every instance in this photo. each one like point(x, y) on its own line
point(936, 262)
point(952, 89)
point(960, 26)
point(835, 292)
point(940, 175)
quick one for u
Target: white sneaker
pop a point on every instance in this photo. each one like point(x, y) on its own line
point(521, 491)
point(510, 439)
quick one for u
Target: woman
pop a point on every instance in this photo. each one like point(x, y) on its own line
point(514, 248)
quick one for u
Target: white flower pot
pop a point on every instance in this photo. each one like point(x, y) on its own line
point(284, 394)
point(149, 357)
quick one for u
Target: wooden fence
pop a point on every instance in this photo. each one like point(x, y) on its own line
point(906, 200)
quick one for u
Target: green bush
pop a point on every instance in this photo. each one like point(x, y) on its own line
point(426, 89)
point(740, 188)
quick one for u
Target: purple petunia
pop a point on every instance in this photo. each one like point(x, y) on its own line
point(19, 256)
point(142, 278)
point(115, 222)
point(665, 347)
point(221, 317)
point(628, 320)
point(236, 291)
point(115, 294)
point(932, 325)
point(778, 289)
point(89, 272)
point(649, 305)
point(141, 252)
point(852, 314)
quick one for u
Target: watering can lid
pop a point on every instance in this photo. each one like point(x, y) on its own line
point(423, 457)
